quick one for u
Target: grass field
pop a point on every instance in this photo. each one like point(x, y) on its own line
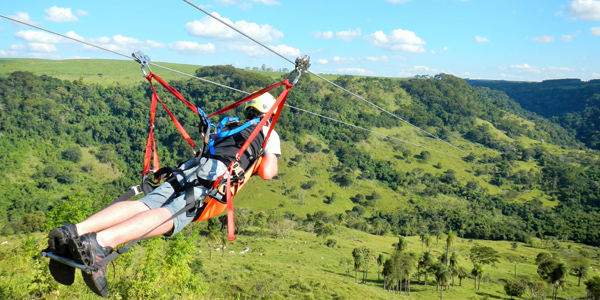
point(302, 267)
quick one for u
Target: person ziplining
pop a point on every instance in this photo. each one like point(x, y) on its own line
point(198, 189)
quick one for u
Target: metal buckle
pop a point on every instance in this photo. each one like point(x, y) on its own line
point(302, 64)
point(137, 189)
point(237, 169)
point(143, 60)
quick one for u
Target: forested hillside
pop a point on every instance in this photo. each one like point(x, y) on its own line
point(69, 147)
point(572, 103)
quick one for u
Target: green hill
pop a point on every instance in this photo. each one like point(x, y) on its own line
point(70, 145)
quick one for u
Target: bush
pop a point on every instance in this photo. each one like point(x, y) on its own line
point(72, 154)
point(331, 243)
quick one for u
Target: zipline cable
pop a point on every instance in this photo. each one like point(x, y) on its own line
point(231, 88)
point(321, 77)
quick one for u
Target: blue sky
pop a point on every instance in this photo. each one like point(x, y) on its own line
point(529, 40)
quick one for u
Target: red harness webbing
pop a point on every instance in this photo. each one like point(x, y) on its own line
point(274, 112)
point(151, 144)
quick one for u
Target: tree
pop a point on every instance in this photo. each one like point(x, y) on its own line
point(212, 237)
point(477, 273)
point(453, 265)
point(461, 273)
point(555, 273)
point(581, 269)
point(425, 264)
point(358, 264)
point(514, 288)
point(72, 154)
point(366, 256)
point(450, 239)
point(483, 255)
point(442, 277)
point(380, 261)
point(402, 244)
point(593, 288)
point(346, 261)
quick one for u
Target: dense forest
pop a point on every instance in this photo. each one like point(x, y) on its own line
point(68, 148)
point(572, 103)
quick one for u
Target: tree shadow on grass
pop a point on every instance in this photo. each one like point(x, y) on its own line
point(489, 295)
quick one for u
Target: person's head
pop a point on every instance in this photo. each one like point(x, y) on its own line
point(259, 106)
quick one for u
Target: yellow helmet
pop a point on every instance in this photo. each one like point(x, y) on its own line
point(261, 103)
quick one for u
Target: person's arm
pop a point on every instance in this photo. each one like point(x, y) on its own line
point(268, 167)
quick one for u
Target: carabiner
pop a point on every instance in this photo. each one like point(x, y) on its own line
point(143, 60)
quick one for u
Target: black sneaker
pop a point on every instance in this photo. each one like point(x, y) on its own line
point(58, 244)
point(87, 251)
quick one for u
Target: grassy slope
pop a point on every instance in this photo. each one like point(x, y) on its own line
point(305, 261)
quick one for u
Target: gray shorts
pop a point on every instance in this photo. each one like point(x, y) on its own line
point(164, 195)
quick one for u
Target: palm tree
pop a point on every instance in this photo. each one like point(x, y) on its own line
point(380, 261)
point(559, 277)
point(212, 237)
point(442, 277)
point(358, 264)
point(425, 240)
point(582, 273)
point(477, 272)
point(462, 273)
point(402, 244)
point(224, 239)
point(346, 261)
point(453, 264)
point(450, 239)
point(425, 263)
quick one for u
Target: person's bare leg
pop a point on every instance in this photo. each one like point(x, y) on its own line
point(111, 216)
point(136, 226)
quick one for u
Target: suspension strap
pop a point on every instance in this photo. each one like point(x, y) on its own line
point(151, 143)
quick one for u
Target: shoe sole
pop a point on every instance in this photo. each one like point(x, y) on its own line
point(63, 274)
point(82, 256)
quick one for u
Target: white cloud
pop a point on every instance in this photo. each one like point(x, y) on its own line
point(119, 43)
point(208, 27)
point(544, 39)
point(82, 13)
point(35, 36)
point(185, 47)
point(342, 60)
point(356, 71)
point(286, 50)
point(252, 50)
point(23, 17)
point(595, 31)
point(348, 35)
point(323, 35)
point(397, 1)
point(568, 37)
point(227, 2)
point(418, 70)
point(480, 39)
point(18, 47)
point(4, 53)
point(60, 14)
point(396, 57)
point(441, 51)
point(377, 59)
point(322, 61)
point(521, 67)
point(40, 47)
point(399, 40)
point(588, 10)
point(268, 2)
